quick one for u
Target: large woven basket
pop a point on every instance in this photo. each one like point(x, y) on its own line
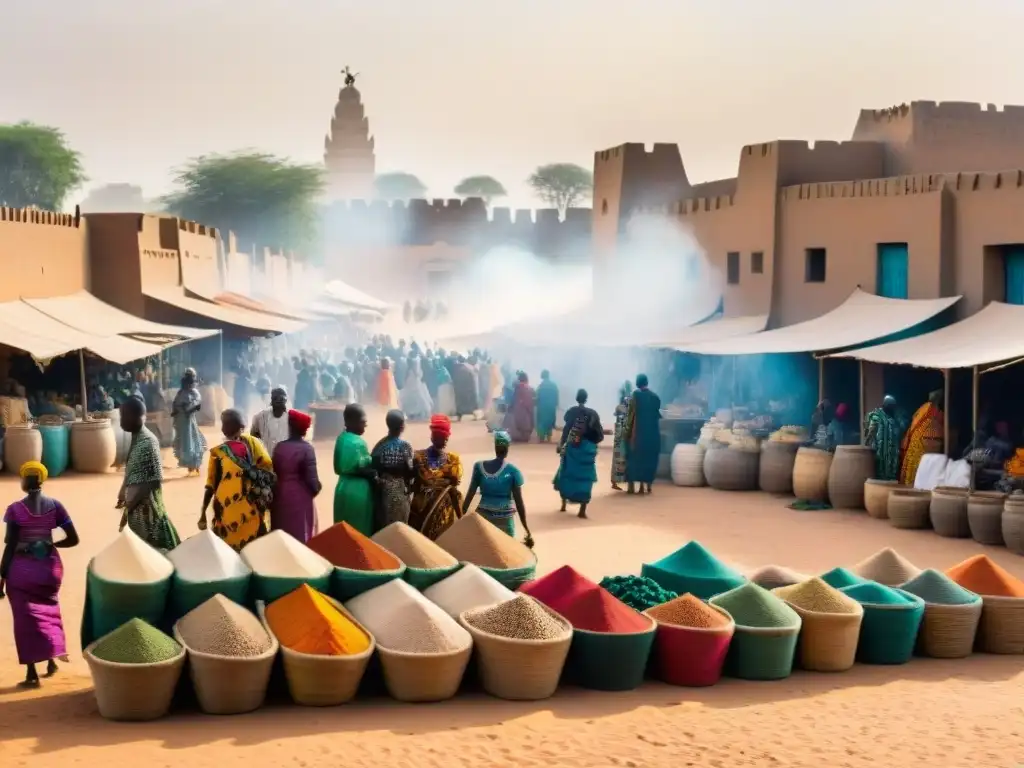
point(851, 466)
point(692, 656)
point(347, 583)
point(610, 661)
point(109, 604)
point(985, 516)
point(828, 641)
point(888, 633)
point(948, 512)
point(775, 469)
point(420, 677)
point(1013, 524)
point(762, 653)
point(226, 685)
point(876, 497)
point(687, 465)
point(519, 670)
point(909, 508)
point(810, 474)
point(317, 680)
point(513, 578)
point(949, 631)
point(731, 469)
point(134, 692)
point(423, 578)
point(1001, 629)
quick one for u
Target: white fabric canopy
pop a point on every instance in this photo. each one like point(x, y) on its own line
point(714, 330)
point(993, 335)
point(85, 312)
point(236, 316)
point(347, 294)
point(860, 319)
point(26, 328)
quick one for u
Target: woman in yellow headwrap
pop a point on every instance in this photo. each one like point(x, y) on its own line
point(32, 572)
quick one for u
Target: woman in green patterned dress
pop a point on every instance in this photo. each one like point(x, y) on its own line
point(882, 433)
point(141, 496)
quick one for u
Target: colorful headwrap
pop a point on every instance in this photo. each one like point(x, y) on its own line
point(34, 469)
point(299, 421)
point(501, 437)
point(440, 425)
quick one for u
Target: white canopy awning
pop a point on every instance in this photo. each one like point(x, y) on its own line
point(714, 330)
point(85, 312)
point(860, 319)
point(241, 318)
point(990, 336)
point(347, 294)
point(24, 327)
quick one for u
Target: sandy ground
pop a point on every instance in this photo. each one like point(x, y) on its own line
point(926, 713)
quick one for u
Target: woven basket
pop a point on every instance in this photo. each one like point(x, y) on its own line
point(828, 641)
point(610, 661)
point(229, 686)
point(418, 677)
point(876, 497)
point(322, 681)
point(270, 588)
point(187, 595)
point(109, 604)
point(888, 633)
point(949, 631)
point(948, 512)
point(346, 583)
point(691, 656)
point(762, 653)
point(775, 470)
point(731, 469)
point(513, 578)
point(985, 516)
point(687, 465)
point(810, 474)
point(851, 466)
point(423, 578)
point(1013, 530)
point(1001, 629)
point(699, 586)
point(134, 692)
point(909, 508)
point(519, 670)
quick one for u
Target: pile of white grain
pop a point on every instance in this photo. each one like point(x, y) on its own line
point(205, 557)
point(282, 555)
point(412, 547)
point(467, 588)
point(130, 560)
point(402, 619)
point(223, 628)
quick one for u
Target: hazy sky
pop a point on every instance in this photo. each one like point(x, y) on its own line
point(461, 87)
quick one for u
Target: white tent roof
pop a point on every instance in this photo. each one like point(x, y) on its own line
point(860, 319)
point(990, 336)
point(85, 312)
point(714, 330)
point(26, 328)
point(237, 316)
point(347, 294)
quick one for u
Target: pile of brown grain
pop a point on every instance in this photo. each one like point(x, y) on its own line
point(472, 539)
point(412, 547)
point(817, 596)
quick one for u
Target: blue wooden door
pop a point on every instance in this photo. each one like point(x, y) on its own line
point(1014, 259)
point(893, 270)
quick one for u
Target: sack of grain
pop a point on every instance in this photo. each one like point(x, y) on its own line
point(280, 563)
point(423, 650)
point(135, 670)
point(126, 580)
point(205, 566)
point(425, 562)
point(231, 656)
point(472, 539)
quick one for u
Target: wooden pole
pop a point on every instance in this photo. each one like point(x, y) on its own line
point(945, 411)
point(821, 379)
point(974, 421)
point(860, 375)
point(81, 381)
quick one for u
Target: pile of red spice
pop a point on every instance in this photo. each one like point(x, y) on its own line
point(345, 547)
point(584, 604)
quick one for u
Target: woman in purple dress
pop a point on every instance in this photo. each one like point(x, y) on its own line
point(31, 571)
point(298, 483)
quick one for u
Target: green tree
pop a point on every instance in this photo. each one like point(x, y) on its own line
point(398, 186)
point(561, 185)
point(265, 200)
point(486, 187)
point(37, 167)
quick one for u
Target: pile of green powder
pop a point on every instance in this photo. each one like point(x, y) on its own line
point(638, 592)
point(872, 593)
point(753, 606)
point(840, 578)
point(937, 588)
point(136, 642)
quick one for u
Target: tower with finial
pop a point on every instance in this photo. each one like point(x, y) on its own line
point(349, 159)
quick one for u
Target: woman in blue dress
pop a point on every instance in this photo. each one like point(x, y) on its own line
point(643, 437)
point(189, 443)
point(577, 470)
point(501, 489)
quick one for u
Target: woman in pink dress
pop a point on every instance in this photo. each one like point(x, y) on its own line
point(298, 484)
point(521, 415)
point(32, 572)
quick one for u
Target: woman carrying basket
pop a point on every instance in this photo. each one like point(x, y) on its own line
point(437, 472)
